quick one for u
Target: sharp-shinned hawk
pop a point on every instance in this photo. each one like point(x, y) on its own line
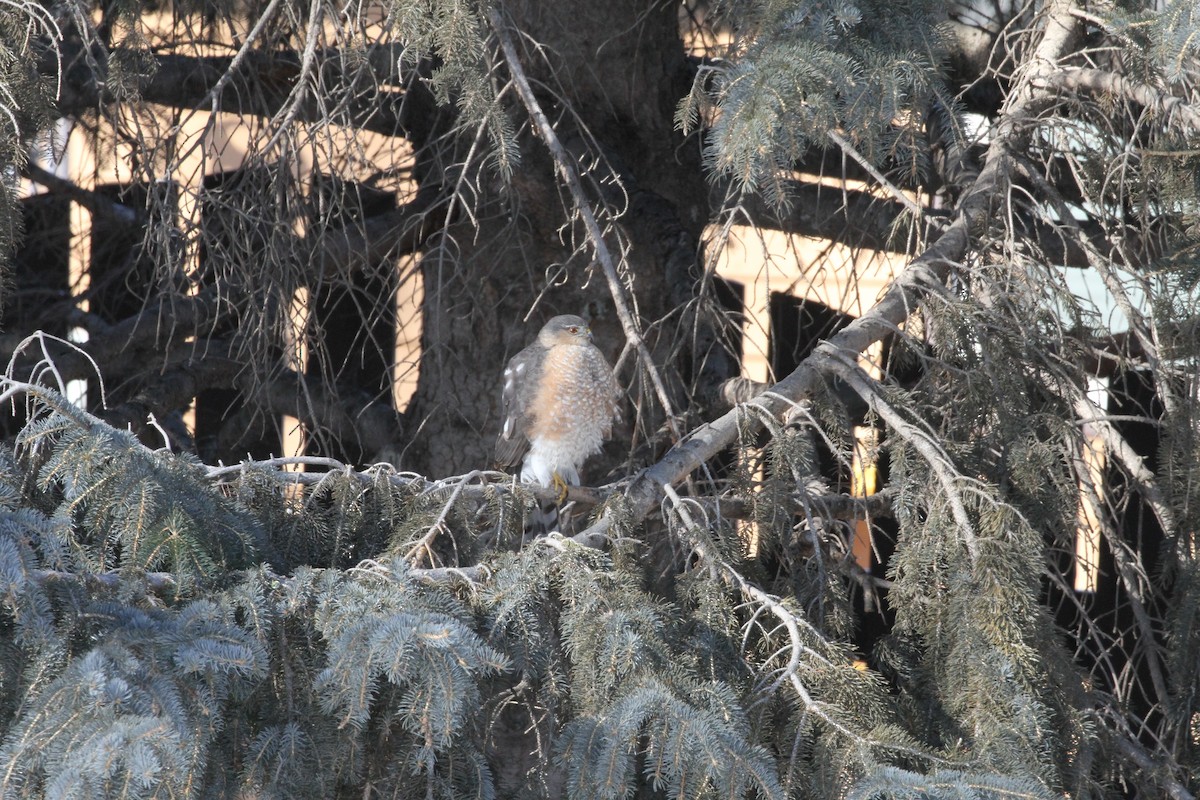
point(559, 402)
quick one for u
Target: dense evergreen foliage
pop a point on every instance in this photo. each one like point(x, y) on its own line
point(179, 623)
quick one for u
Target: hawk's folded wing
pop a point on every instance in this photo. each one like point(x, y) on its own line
point(521, 378)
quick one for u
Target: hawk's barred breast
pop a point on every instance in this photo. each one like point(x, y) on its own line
point(572, 414)
point(559, 399)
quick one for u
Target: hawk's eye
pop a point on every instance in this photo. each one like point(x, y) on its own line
point(573, 329)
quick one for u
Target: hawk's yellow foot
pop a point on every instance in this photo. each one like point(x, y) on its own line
point(560, 487)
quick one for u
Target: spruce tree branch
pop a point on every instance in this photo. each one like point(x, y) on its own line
point(101, 206)
point(973, 218)
point(1147, 339)
point(923, 441)
point(799, 655)
point(1130, 750)
point(1174, 109)
point(1143, 479)
point(162, 582)
point(1133, 576)
point(1130, 570)
point(11, 388)
point(1090, 414)
point(926, 273)
point(918, 212)
point(570, 176)
point(361, 246)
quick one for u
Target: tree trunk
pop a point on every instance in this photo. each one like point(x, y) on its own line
point(621, 84)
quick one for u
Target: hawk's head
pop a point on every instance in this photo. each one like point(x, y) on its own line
point(565, 329)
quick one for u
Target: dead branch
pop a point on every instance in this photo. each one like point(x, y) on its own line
point(813, 497)
point(361, 246)
point(101, 206)
point(1174, 109)
point(130, 343)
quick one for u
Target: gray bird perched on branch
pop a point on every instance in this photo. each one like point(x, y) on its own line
point(559, 401)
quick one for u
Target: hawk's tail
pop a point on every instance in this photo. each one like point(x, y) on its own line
point(547, 518)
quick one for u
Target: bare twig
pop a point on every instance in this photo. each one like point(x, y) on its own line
point(1129, 749)
point(425, 543)
point(916, 210)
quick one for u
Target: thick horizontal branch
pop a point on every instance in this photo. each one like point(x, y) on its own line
point(220, 364)
point(105, 208)
point(357, 246)
point(372, 425)
point(814, 499)
point(480, 483)
point(855, 218)
point(475, 487)
point(156, 582)
point(1173, 109)
point(144, 339)
point(362, 245)
point(862, 219)
point(154, 348)
point(130, 344)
